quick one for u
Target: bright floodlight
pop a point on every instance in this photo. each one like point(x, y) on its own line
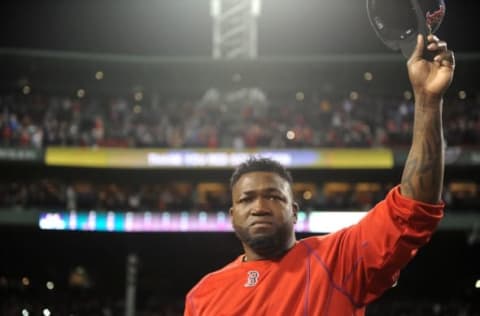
point(256, 7)
point(234, 28)
point(50, 285)
point(214, 8)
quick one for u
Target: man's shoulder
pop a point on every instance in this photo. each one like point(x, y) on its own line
point(316, 241)
point(324, 243)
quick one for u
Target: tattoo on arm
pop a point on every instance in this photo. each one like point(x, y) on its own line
point(423, 174)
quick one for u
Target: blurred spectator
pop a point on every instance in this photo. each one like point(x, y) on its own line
point(241, 119)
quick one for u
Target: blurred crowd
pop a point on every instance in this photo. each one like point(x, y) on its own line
point(187, 196)
point(411, 307)
point(80, 293)
point(246, 118)
point(82, 303)
point(90, 305)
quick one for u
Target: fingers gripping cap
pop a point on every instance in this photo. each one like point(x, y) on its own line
point(397, 22)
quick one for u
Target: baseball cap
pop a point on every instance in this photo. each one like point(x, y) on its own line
point(397, 22)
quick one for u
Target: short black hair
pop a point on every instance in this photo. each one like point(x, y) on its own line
point(254, 164)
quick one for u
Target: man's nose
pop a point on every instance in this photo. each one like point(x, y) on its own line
point(260, 207)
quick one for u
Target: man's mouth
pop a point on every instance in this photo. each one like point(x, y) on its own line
point(261, 223)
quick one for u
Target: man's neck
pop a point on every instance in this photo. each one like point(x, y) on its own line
point(251, 255)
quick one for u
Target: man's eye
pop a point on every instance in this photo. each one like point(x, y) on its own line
point(275, 198)
point(245, 200)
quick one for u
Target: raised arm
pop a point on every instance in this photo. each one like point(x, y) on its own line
point(422, 177)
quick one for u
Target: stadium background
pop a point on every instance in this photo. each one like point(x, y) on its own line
point(103, 75)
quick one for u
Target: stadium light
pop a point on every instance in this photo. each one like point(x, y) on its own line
point(300, 96)
point(138, 96)
point(477, 284)
point(307, 195)
point(290, 135)
point(354, 95)
point(26, 90)
point(214, 8)
point(25, 281)
point(368, 76)
point(50, 285)
point(80, 93)
point(256, 7)
point(99, 75)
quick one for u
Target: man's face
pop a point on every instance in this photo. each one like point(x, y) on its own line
point(263, 213)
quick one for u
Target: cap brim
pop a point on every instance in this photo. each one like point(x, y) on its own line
point(407, 46)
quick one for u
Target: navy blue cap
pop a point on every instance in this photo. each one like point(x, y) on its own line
point(398, 22)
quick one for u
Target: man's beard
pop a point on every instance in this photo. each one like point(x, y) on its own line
point(267, 245)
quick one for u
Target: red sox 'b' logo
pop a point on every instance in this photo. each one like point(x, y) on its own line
point(435, 17)
point(252, 278)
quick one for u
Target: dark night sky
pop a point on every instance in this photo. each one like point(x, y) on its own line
point(183, 27)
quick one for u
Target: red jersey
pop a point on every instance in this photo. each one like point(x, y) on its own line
point(335, 274)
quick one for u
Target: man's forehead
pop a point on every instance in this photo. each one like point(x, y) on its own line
point(261, 181)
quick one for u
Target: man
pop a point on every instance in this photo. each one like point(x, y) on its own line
point(340, 273)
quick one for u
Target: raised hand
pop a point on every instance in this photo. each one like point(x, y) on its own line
point(431, 78)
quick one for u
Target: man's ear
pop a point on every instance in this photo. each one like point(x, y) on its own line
point(230, 211)
point(295, 209)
